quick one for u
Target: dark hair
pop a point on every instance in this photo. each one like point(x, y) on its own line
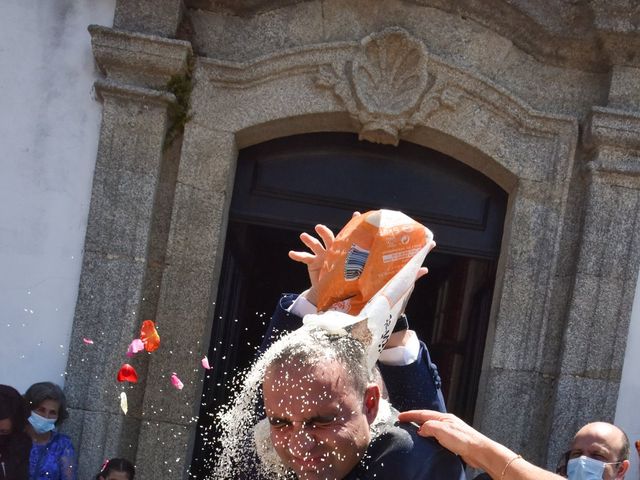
point(13, 407)
point(625, 450)
point(117, 465)
point(39, 392)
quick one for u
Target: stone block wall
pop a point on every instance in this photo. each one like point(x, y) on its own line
point(558, 129)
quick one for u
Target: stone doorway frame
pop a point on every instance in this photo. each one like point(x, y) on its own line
point(158, 220)
point(529, 154)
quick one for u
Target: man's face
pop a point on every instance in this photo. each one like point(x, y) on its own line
point(319, 424)
point(601, 441)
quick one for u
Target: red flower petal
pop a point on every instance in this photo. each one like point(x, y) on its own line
point(127, 374)
point(149, 336)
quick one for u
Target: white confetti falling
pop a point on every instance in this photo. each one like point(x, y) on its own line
point(124, 405)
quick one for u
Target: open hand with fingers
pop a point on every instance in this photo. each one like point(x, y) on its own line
point(476, 449)
point(314, 259)
point(450, 431)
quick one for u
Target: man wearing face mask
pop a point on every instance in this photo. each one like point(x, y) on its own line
point(598, 451)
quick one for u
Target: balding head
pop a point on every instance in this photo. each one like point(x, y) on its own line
point(604, 442)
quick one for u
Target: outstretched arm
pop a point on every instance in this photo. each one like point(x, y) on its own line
point(475, 449)
point(285, 318)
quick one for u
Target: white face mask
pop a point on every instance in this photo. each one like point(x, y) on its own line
point(41, 424)
point(585, 468)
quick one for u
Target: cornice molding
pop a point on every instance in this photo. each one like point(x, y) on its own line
point(331, 66)
point(586, 35)
point(615, 137)
point(110, 88)
point(612, 127)
point(138, 59)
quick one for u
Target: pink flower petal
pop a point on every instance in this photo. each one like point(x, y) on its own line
point(205, 363)
point(87, 341)
point(175, 381)
point(134, 347)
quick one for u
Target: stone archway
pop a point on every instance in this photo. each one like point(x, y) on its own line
point(159, 229)
point(528, 153)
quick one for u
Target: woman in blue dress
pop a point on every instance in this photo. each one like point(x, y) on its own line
point(52, 454)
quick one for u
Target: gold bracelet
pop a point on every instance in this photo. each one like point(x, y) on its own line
point(507, 465)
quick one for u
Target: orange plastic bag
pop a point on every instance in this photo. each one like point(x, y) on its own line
point(367, 252)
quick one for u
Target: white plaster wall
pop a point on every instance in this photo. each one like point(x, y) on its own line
point(49, 125)
point(627, 416)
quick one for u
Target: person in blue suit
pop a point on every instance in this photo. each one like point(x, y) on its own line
point(327, 421)
point(411, 379)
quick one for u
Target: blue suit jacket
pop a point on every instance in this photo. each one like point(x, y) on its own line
point(400, 453)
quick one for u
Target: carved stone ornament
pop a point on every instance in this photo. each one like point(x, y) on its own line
point(387, 88)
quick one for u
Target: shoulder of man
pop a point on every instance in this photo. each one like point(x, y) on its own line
point(399, 452)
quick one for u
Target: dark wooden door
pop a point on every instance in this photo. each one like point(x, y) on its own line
point(288, 185)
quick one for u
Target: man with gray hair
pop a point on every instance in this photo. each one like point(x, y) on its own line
point(328, 422)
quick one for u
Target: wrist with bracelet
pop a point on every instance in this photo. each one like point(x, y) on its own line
point(504, 471)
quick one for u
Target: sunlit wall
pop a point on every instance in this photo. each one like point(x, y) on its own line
point(627, 416)
point(49, 125)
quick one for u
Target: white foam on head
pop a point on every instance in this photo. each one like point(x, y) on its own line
point(238, 419)
point(245, 440)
